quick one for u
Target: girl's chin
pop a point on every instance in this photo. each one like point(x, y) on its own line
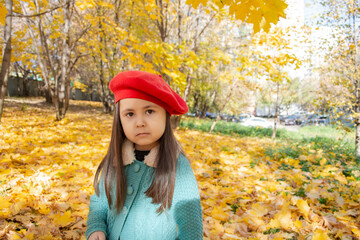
point(144, 146)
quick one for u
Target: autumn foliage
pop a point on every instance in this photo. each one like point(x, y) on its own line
point(249, 188)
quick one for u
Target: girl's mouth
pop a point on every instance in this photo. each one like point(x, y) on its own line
point(142, 134)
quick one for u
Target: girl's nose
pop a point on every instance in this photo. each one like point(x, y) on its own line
point(140, 122)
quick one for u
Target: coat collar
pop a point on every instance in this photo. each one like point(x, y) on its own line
point(128, 154)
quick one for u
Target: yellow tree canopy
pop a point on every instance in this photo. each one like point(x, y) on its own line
point(3, 13)
point(260, 13)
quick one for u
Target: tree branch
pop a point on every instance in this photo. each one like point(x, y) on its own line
point(207, 24)
point(20, 15)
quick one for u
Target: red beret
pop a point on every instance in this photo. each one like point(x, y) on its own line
point(149, 87)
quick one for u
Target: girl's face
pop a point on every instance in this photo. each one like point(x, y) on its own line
point(143, 122)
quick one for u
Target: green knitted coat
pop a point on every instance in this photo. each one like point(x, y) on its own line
point(138, 219)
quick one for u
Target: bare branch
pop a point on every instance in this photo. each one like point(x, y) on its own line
point(20, 15)
point(207, 24)
point(80, 36)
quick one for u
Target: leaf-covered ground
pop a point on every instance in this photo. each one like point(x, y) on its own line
point(250, 188)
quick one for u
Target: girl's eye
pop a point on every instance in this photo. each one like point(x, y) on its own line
point(149, 111)
point(129, 114)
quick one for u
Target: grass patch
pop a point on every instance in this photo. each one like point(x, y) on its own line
point(229, 128)
point(319, 137)
point(335, 144)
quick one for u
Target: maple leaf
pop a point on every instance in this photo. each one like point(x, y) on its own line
point(63, 219)
point(4, 203)
point(260, 13)
point(303, 207)
point(282, 219)
point(219, 213)
point(4, 207)
point(320, 235)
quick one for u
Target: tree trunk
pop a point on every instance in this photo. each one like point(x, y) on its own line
point(4, 73)
point(18, 88)
point(357, 137)
point(214, 123)
point(67, 93)
point(26, 84)
point(175, 120)
point(357, 84)
point(65, 59)
point(104, 95)
point(48, 96)
point(276, 111)
point(222, 108)
point(42, 57)
point(203, 110)
point(162, 24)
point(357, 119)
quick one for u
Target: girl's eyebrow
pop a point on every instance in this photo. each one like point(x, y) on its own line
point(131, 110)
point(128, 110)
point(150, 106)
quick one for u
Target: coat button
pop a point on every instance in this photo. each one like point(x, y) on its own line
point(136, 168)
point(130, 190)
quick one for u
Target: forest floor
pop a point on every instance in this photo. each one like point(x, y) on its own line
point(250, 188)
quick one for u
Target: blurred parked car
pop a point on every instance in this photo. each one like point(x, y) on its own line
point(210, 115)
point(301, 113)
point(244, 116)
point(311, 120)
point(257, 122)
point(316, 119)
point(282, 118)
point(224, 116)
point(289, 120)
point(189, 114)
point(348, 121)
point(299, 119)
point(233, 118)
point(323, 120)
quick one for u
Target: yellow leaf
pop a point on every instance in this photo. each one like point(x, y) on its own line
point(282, 219)
point(14, 236)
point(240, 12)
point(16, 208)
point(43, 209)
point(153, 17)
point(196, 3)
point(218, 227)
point(29, 236)
point(356, 232)
point(298, 224)
point(3, 13)
point(258, 210)
point(341, 178)
point(4, 203)
point(323, 161)
point(320, 235)
point(303, 207)
point(219, 214)
point(64, 219)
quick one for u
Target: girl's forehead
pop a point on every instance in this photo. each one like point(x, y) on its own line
point(135, 103)
point(133, 100)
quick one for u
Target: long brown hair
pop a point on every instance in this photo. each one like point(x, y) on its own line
point(112, 167)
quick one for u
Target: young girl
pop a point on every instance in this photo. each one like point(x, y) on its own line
point(144, 187)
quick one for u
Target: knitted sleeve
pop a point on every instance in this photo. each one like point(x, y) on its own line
point(188, 213)
point(98, 210)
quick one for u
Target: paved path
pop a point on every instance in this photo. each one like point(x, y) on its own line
point(294, 128)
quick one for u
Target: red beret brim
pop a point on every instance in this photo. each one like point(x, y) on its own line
point(149, 87)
